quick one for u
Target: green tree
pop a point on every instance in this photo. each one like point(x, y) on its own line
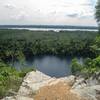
point(96, 46)
point(76, 67)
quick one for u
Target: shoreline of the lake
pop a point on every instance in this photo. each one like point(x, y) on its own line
point(57, 66)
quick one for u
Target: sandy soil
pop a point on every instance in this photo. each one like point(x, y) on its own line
point(60, 91)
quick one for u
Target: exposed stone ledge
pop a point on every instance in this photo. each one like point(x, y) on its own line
point(33, 81)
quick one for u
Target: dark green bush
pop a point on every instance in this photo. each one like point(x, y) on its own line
point(10, 79)
point(88, 68)
point(76, 67)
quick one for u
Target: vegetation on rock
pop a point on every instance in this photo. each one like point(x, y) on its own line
point(10, 79)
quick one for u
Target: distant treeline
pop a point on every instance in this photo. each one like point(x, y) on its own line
point(48, 26)
point(15, 44)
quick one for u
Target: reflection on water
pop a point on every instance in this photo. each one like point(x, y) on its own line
point(51, 65)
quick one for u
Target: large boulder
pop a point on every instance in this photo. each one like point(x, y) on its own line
point(35, 80)
point(32, 82)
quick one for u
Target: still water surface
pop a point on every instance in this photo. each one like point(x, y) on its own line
point(51, 65)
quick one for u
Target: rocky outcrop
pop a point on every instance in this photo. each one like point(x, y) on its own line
point(38, 86)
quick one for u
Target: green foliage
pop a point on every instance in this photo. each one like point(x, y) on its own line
point(76, 67)
point(93, 65)
point(10, 79)
point(2, 64)
point(96, 62)
point(22, 44)
point(23, 71)
point(89, 67)
point(96, 45)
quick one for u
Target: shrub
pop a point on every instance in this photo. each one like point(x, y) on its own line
point(76, 67)
point(89, 67)
point(10, 79)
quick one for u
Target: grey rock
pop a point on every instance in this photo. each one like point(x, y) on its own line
point(90, 92)
point(33, 81)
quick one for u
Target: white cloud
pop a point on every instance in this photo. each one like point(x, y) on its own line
point(47, 11)
point(9, 6)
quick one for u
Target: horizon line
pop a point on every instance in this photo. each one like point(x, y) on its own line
point(46, 25)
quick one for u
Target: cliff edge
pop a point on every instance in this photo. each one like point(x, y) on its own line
point(38, 86)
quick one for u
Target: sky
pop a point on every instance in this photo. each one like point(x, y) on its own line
point(47, 12)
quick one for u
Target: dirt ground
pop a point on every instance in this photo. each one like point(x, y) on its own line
point(60, 91)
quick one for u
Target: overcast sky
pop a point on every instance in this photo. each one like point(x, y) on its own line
point(59, 12)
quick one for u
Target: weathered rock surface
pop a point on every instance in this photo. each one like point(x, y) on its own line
point(38, 86)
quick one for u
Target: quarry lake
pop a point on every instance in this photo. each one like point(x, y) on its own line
point(54, 66)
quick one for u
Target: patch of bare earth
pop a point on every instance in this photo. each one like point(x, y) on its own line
point(59, 91)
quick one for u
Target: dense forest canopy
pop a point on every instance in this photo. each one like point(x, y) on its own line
point(15, 44)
